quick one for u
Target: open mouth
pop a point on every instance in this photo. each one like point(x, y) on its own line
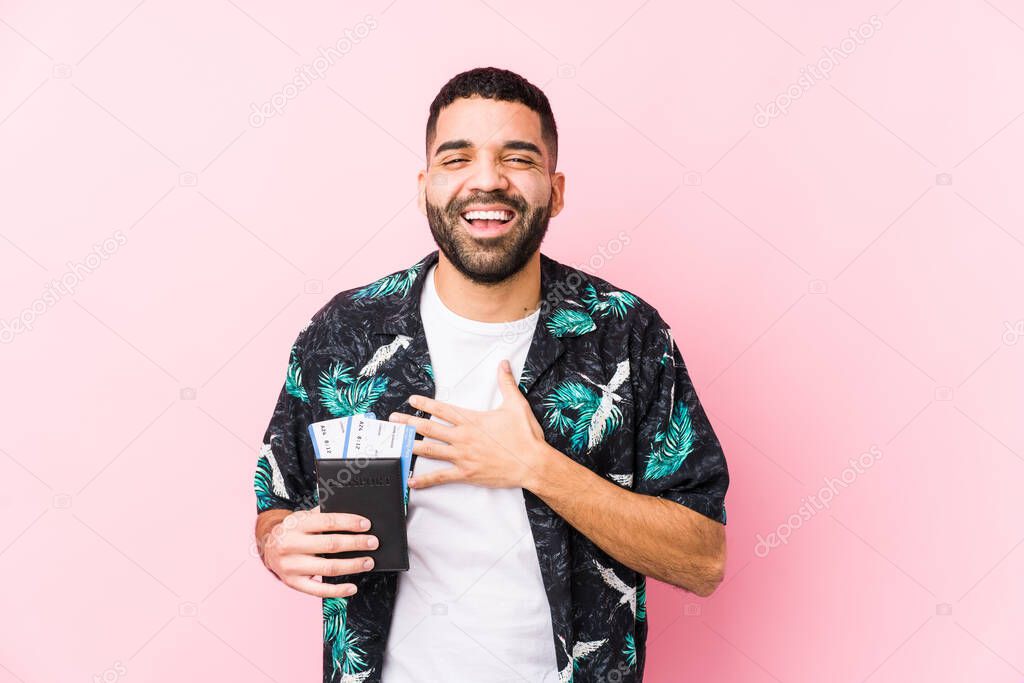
point(489, 220)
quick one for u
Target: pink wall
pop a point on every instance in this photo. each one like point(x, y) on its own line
point(841, 277)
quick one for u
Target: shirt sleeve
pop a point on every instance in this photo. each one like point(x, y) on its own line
point(284, 477)
point(677, 454)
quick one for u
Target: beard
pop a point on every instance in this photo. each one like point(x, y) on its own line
point(489, 260)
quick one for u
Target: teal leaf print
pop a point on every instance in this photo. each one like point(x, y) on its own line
point(396, 283)
point(671, 447)
point(346, 655)
point(267, 481)
point(569, 322)
point(524, 378)
point(293, 381)
point(596, 414)
point(571, 396)
point(261, 483)
point(615, 303)
point(343, 394)
point(567, 396)
point(641, 599)
point(630, 650)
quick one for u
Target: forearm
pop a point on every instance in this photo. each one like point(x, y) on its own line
point(654, 536)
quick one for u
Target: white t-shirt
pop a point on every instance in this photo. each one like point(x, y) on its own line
point(472, 606)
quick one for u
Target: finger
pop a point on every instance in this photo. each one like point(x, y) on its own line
point(311, 565)
point(426, 427)
point(320, 589)
point(434, 449)
point(507, 382)
point(333, 521)
point(314, 543)
point(445, 411)
point(448, 474)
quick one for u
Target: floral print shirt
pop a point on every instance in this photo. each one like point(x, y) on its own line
point(608, 385)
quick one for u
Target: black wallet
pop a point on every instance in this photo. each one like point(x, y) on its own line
point(372, 488)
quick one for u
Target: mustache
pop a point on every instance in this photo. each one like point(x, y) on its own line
point(516, 203)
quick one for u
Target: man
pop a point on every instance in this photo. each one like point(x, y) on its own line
point(545, 488)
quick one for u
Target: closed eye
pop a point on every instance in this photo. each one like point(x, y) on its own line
point(516, 159)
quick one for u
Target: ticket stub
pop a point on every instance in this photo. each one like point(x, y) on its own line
point(364, 436)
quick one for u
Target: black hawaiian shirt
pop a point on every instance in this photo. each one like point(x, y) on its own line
point(607, 383)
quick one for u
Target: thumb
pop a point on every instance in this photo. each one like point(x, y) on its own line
point(507, 382)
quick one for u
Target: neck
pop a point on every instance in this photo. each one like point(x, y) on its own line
point(512, 299)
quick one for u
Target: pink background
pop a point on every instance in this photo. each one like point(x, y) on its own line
point(847, 276)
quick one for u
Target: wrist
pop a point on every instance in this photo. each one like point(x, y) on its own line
point(538, 473)
point(268, 527)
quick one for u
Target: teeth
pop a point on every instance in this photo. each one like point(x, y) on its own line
point(488, 215)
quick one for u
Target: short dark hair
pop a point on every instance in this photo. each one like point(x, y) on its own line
point(496, 84)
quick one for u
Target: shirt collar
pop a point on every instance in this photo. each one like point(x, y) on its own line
point(560, 289)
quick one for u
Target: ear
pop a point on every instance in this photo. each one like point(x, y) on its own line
point(557, 193)
point(421, 192)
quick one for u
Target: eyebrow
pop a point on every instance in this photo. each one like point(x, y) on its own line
point(522, 145)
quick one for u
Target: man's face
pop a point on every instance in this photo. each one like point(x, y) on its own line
point(489, 155)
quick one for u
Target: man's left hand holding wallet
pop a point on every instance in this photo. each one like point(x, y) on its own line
point(362, 468)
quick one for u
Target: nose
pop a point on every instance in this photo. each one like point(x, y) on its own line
point(487, 176)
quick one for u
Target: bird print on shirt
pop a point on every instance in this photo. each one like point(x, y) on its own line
point(667, 356)
point(580, 650)
point(596, 415)
point(636, 599)
point(625, 480)
point(604, 413)
point(268, 481)
point(383, 354)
